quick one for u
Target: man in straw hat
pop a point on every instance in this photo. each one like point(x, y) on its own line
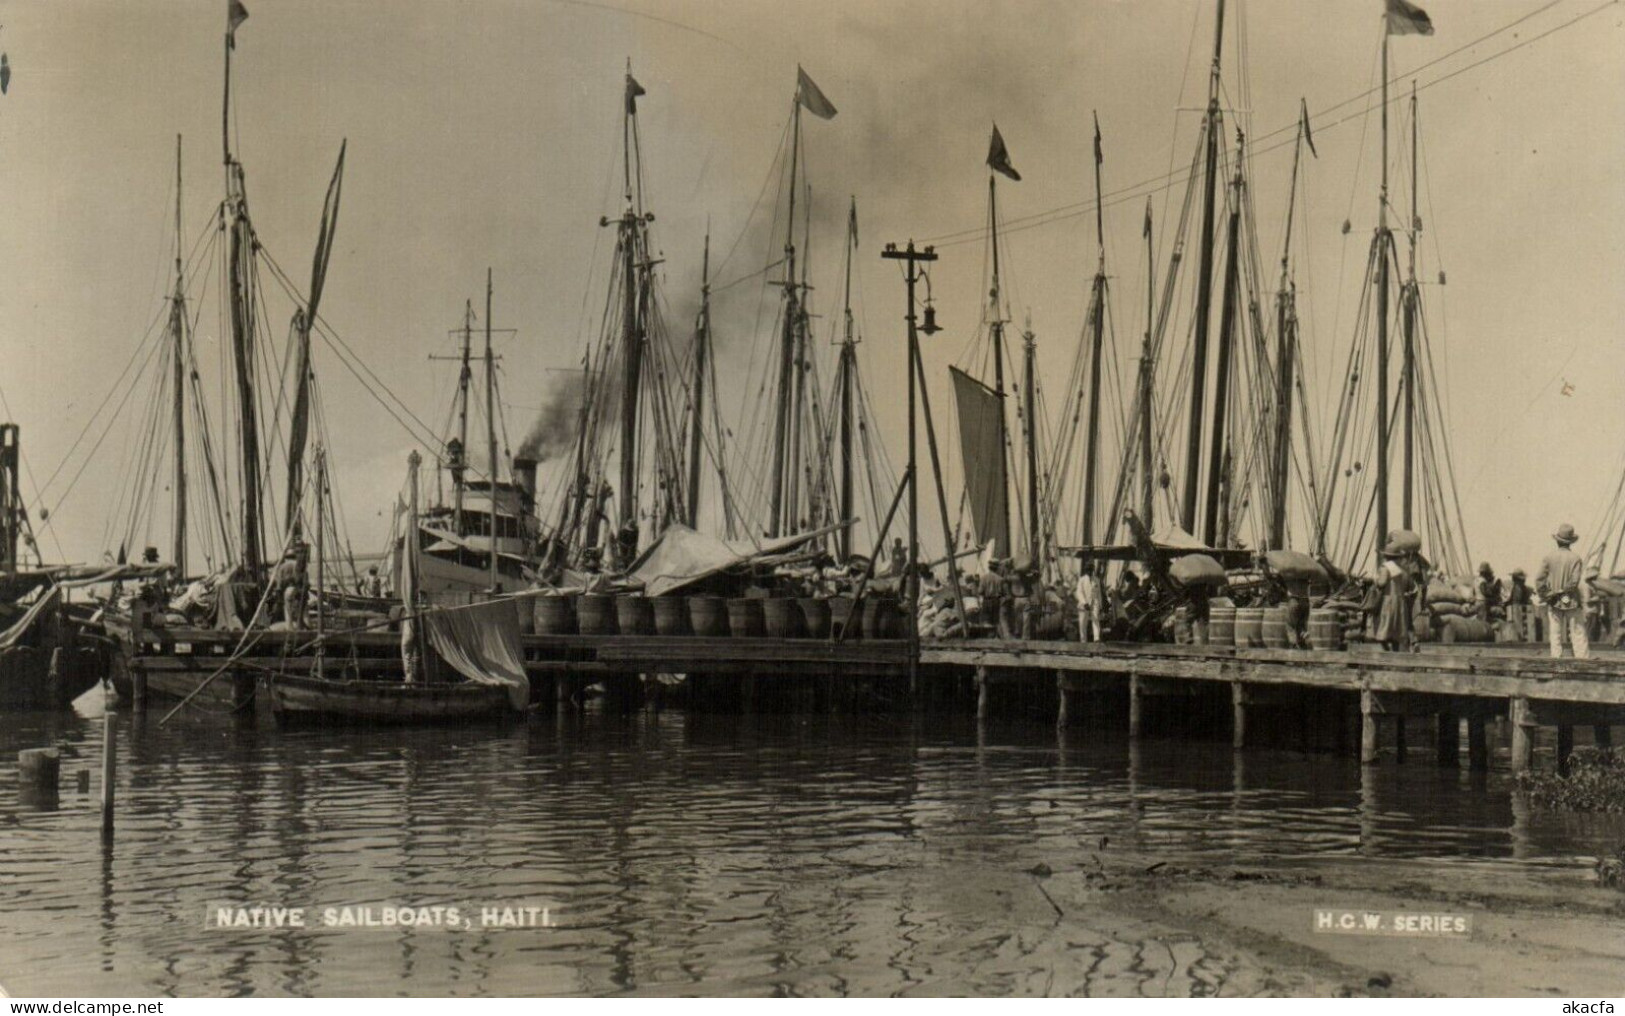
point(1562, 587)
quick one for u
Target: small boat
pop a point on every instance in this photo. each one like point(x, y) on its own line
point(296, 698)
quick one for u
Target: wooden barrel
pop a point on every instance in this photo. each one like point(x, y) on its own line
point(554, 615)
point(671, 615)
point(881, 618)
point(781, 617)
point(840, 612)
point(595, 614)
point(635, 615)
point(815, 616)
point(745, 617)
point(1249, 627)
point(1274, 628)
point(708, 616)
point(1221, 626)
point(1182, 626)
point(1326, 628)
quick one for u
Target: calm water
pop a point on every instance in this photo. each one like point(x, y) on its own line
point(675, 853)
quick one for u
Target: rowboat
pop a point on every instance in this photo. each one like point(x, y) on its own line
point(306, 698)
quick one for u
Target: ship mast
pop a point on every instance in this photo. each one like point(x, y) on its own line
point(1286, 339)
point(777, 509)
point(1204, 291)
point(702, 342)
point(1097, 328)
point(464, 378)
point(1408, 298)
point(1147, 481)
point(846, 371)
point(177, 329)
point(1216, 527)
point(242, 320)
point(996, 333)
point(491, 432)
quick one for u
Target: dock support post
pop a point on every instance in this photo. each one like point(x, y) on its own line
point(1368, 727)
point(747, 694)
point(1062, 693)
point(981, 693)
point(1565, 747)
point(1478, 743)
point(561, 691)
point(1523, 742)
point(109, 746)
point(1399, 740)
point(1135, 706)
point(138, 688)
point(1238, 715)
point(1602, 735)
point(1449, 745)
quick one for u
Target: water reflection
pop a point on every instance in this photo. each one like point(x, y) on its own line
point(738, 854)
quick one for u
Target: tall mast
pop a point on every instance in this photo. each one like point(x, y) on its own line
point(1147, 481)
point(321, 545)
point(799, 371)
point(702, 342)
point(464, 378)
point(1204, 287)
point(787, 342)
point(1408, 301)
point(1383, 243)
point(996, 327)
point(849, 364)
point(1214, 527)
point(491, 430)
point(1286, 337)
point(1029, 397)
point(177, 328)
point(240, 257)
point(1097, 329)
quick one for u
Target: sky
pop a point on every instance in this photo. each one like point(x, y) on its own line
point(486, 133)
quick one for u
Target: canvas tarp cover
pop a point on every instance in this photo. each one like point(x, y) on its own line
point(981, 448)
point(482, 644)
point(1197, 570)
point(1175, 538)
point(683, 556)
point(11, 636)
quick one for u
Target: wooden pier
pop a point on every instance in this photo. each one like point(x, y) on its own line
point(1360, 696)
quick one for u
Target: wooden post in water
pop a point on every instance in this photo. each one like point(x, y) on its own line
point(1399, 739)
point(1062, 693)
point(37, 768)
point(981, 693)
point(1135, 706)
point(1368, 727)
point(109, 747)
point(1449, 739)
point(1478, 744)
point(1238, 715)
point(1565, 747)
point(1523, 743)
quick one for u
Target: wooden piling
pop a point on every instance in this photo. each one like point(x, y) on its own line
point(1238, 715)
point(1565, 747)
point(1449, 739)
point(981, 693)
point(1135, 706)
point(1523, 742)
point(1368, 727)
point(1062, 705)
point(37, 768)
point(1478, 744)
point(1399, 740)
point(109, 749)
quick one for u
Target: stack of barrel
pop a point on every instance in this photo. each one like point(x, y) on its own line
point(714, 616)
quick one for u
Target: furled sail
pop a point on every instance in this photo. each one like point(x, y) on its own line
point(979, 447)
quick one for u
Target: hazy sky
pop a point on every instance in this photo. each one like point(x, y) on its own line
point(486, 133)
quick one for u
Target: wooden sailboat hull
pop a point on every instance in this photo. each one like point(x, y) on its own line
point(296, 698)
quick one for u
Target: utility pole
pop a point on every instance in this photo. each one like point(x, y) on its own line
point(912, 259)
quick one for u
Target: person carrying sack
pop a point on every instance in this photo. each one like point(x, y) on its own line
point(1562, 588)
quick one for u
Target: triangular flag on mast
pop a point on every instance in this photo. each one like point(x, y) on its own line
point(1099, 155)
point(236, 14)
point(811, 97)
point(633, 90)
point(998, 157)
point(852, 223)
point(1147, 231)
point(5, 73)
point(1405, 18)
point(1303, 107)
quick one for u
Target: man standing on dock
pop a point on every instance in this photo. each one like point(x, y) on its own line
point(1393, 620)
point(1490, 593)
point(1562, 588)
point(1519, 597)
point(1089, 596)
